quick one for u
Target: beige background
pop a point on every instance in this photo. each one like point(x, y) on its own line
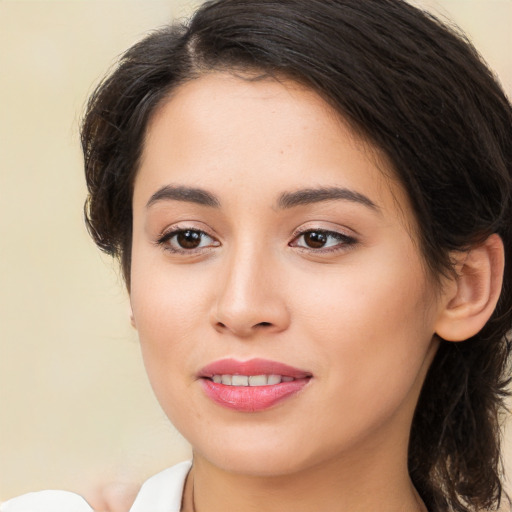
point(75, 407)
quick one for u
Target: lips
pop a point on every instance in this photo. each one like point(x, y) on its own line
point(251, 386)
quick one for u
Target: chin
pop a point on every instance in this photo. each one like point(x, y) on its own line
point(262, 456)
point(257, 465)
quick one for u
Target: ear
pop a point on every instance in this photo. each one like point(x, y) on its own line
point(132, 318)
point(471, 297)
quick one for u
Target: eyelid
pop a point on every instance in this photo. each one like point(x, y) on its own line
point(325, 227)
point(184, 226)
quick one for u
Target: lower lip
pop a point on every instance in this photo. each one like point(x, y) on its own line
point(251, 398)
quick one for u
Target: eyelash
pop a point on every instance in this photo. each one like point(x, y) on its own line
point(166, 239)
point(343, 241)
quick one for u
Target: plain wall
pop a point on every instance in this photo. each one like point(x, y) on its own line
point(75, 405)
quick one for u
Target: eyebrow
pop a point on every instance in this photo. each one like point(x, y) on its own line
point(286, 200)
point(187, 194)
point(316, 195)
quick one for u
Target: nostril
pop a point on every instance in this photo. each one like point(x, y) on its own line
point(264, 324)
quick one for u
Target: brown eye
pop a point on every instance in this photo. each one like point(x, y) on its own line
point(315, 239)
point(189, 239)
point(320, 240)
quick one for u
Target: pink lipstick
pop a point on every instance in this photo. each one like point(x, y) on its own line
point(251, 386)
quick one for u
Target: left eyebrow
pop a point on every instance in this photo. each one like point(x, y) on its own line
point(316, 195)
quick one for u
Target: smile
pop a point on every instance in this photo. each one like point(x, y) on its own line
point(251, 380)
point(251, 386)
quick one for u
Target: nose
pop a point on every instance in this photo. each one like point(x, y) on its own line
point(250, 296)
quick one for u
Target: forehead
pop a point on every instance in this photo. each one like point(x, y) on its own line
point(229, 133)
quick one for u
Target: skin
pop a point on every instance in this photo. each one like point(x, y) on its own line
point(113, 497)
point(359, 314)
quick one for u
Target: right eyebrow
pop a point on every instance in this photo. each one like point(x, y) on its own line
point(182, 193)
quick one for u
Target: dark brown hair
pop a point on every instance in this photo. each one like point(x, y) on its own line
point(419, 92)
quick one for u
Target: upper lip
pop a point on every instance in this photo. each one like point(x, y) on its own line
point(251, 367)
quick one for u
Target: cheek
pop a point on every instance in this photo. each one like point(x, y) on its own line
point(373, 294)
point(166, 309)
point(167, 302)
point(373, 326)
point(166, 295)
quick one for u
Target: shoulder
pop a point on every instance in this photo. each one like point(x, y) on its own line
point(161, 493)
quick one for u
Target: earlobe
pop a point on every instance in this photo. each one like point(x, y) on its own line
point(132, 318)
point(471, 297)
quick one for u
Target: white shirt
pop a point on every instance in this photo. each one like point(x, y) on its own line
point(161, 493)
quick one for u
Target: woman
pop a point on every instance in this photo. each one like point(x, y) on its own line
point(312, 206)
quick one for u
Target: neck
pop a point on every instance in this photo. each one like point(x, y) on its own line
point(362, 485)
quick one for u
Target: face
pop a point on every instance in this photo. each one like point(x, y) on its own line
point(283, 310)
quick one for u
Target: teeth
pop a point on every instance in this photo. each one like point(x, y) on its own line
point(240, 380)
point(274, 379)
point(250, 380)
point(226, 379)
point(258, 380)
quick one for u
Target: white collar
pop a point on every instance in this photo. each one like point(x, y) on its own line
point(164, 491)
